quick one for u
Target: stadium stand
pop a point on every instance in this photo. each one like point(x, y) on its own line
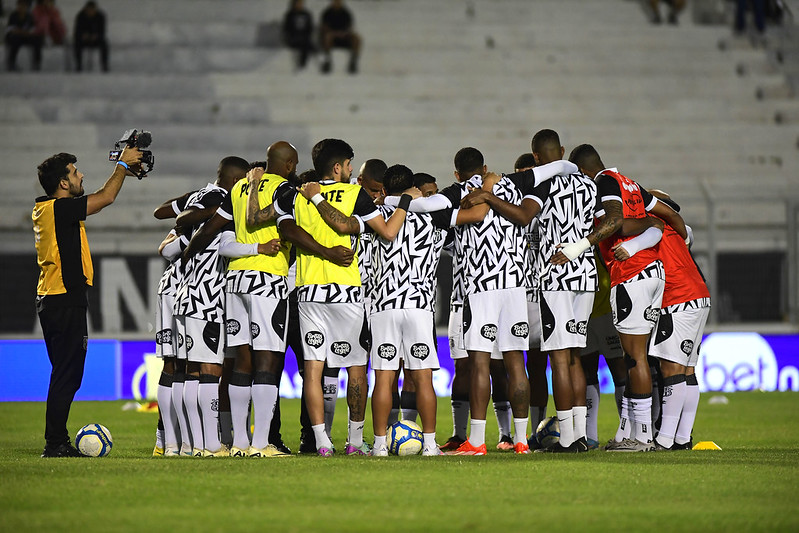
point(666, 104)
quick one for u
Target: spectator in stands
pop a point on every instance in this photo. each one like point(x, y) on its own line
point(675, 7)
point(297, 31)
point(49, 22)
point(90, 33)
point(338, 31)
point(21, 31)
point(759, 12)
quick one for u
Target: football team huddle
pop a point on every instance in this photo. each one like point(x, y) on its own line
point(559, 261)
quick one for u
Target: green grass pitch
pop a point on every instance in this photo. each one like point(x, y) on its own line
point(751, 485)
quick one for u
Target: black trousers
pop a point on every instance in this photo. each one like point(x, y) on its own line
point(15, 42)
point(78, 50)
point(66, 334)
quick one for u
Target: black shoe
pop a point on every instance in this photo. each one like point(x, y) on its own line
point(559, 448)
point(582, 445)
point(326, 67)
point(307, 444)
point(686, 446)
point(452, 444)
point(62, 450)
point(280, 445)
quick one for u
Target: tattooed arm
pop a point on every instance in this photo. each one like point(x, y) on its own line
point(609, 224)
point(255, 215)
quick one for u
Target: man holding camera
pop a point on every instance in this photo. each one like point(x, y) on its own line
point(65, 273)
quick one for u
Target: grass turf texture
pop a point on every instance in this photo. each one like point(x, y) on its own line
point(750, 485)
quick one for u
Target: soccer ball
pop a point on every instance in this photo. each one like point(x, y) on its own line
point(404, 438)
point(548, 432)
point(94, 440)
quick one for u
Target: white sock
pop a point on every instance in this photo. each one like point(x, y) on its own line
point(625, 424)
point(380, 441)
point(673, 400)
point(239, 413)
point(180, 411)
point(208, 398)
point(264, 398)
point(159, 438)
point(579, 413)
point(686, 425)
point(460, 418)
point(195, 424)
point(642, 418)
point(477, 433)
point(329, 396)
point(619, 393)
point(355, 433)
point(566, 423)
point(504, 415)
point(429, 440)
point(592, 411)
point(226, 428)
point(168, 415)
point(519, 430)
point(537, 415)
point(322, 440)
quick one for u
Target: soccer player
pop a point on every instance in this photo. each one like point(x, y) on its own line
point(172, 415)
point(401, 319)
point(565, 206)
point(636, 284)
point(199, 310)
point(683, 314)
point(332, 315)
point(65, 275)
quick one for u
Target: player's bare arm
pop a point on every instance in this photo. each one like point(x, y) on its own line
point(165, 210)
point(338, 221)
point(609, 224)
point(269, 248)
point(105, 195)
point(255, 215)
point(203, 236)
point(388, 229)
point(472, 215)
point(636, 226)
point(671, 217)
point(520, 215)
point(339, 255)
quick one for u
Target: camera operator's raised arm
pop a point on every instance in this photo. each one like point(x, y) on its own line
point(105, 195)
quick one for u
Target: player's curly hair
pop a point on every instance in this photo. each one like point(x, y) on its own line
point(53, 170)
point(327, 152)
point(397, 179)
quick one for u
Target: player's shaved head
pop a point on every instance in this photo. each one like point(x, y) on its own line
point(587, 159)
point(373, 169)
point(281, 152)
point(546, 146)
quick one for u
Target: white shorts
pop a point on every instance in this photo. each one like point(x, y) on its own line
point(166, 335)
point(636, 305)
point(564, 319)
point(455, 331)
point(407, 334)
point(678, 336)
point(534, 320)
point(200, 341)
point(336, 333)
point(496, 318)
point(603, 337)
point(258, 321)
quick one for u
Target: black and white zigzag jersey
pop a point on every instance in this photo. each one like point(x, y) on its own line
point(532, 241)
point(257, 283)
point(365, 247)
point(201, 293)
point(170, 279)
point(403, 271)
point(490, 254)
point(568, 206)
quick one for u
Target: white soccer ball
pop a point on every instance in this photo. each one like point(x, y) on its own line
point(548, 432)
point(94, 440)
point(404, 438)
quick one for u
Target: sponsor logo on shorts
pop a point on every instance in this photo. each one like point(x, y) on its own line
point(687, 346)
point(341, 348)
point(387, 351)
point(232, 326)
point(180, 340)
point(666, 391)
point(255, 329)
point(577, 328)
point(164, 337)
point(651, 314)
point(520, 329)
point(489, 331)
point(215, 405)
point(314, 339)
point(189, 342)
point(420, 351)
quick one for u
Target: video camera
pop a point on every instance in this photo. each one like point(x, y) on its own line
point(140, 140)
